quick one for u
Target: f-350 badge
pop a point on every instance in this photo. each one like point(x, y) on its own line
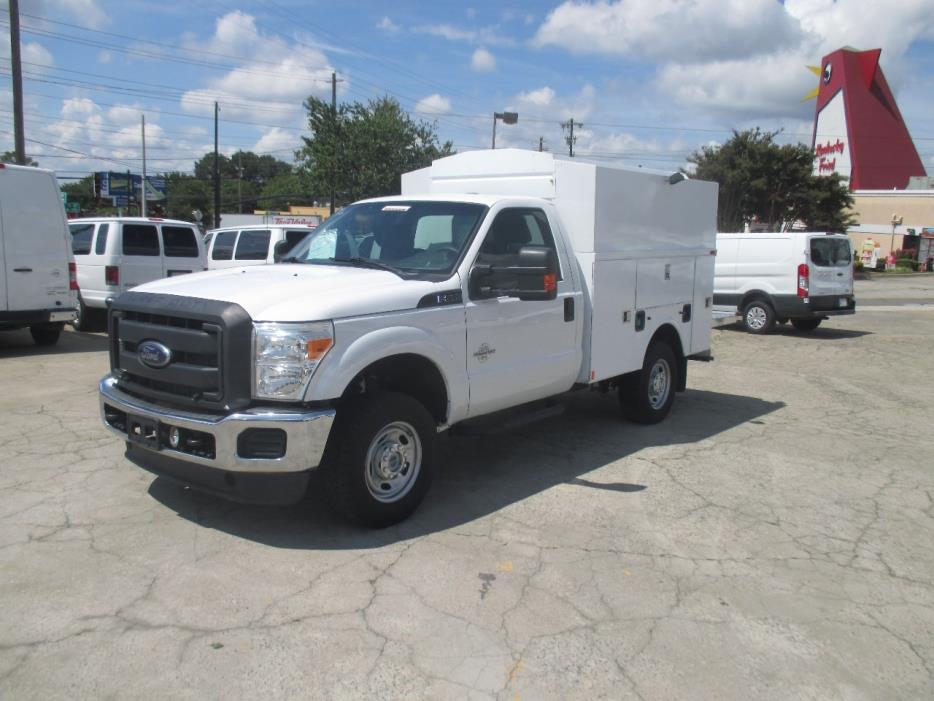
point(484, 352)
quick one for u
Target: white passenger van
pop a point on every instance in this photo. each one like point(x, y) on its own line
point(236, 246)
point(37, 273)
point(114, 254)
point(798, 276)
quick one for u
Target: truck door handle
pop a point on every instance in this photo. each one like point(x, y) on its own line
point(22, 270)
point(569, 309)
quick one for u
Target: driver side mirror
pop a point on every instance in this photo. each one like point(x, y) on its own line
point(279, 250)
point(534, 277)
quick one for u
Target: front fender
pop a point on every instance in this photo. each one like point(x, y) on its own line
point(357, 347)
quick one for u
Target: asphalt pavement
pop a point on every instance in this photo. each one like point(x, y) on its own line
point(771, 540)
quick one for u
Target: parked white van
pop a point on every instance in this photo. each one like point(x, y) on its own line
point(38, 288)
point(798, 276)
point(114, 254)
point(255, 244)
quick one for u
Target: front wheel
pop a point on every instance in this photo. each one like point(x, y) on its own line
point(646, 396)
point(380, 466)
point(759, 317)
point(805, 324)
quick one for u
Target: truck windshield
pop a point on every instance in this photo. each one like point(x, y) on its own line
point(830, 252)
point(410, 238)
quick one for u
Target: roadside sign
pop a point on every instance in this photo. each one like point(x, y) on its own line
point(73, 207)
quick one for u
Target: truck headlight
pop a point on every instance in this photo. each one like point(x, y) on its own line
point(285, 357)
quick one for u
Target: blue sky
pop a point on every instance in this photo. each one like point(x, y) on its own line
point(651, 80)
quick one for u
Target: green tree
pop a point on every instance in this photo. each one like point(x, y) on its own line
point(10, 157)
point(284, 190)
point(245, 165)
point(187, 194)
point(760, 179)
point(361, 150)
point(82, 192)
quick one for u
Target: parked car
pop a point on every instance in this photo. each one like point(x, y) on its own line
point(38, 287)
point(496, 280)
point(237, 246)
point(798, 276)
point(115, 254)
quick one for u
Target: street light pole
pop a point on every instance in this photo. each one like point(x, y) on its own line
point(507, 117)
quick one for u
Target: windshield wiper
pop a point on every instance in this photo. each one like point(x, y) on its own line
point(368, 263)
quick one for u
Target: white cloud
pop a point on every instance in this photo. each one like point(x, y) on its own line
point(279, 143)
point(388, 25)
point(669, 28)
point(483, 35)
point(541, 97)
point(433, 104)
point(38, 55)
point(482, 61)
point(105, 57)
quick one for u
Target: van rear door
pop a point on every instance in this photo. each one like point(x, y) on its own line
point(35, 241)
point(141, 261)
point(182, 252)
point(830, 264)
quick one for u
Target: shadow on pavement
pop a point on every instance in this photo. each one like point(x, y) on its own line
point(19, 343)
point(478, 475)
point(821, 333)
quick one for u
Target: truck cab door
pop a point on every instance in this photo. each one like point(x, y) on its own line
point(519, 351)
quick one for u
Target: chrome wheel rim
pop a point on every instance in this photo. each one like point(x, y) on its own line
point(756, 318)
point(659, 383)
point(393, 461)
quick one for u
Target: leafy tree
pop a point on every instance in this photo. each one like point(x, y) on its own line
point(284, 190)
point(760, 179)
point(361, 150)
point(10, 157)
point(82, 192)
point(255, 169)
point(187, 194)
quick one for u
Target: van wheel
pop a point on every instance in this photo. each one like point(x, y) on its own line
point(82, 322)
point(45, 335)
point(805, 324)
point(646, 396)
point(379, 467)
point(759, 317)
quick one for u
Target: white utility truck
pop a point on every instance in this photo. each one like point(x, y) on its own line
point(497, 279)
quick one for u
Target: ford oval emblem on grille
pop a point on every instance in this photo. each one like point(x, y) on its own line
point(153, 354)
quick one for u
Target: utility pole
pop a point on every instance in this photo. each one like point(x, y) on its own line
point(334, 117)
point(142, 202)
point(570, 139)
point(19, 136)
point(217, 175)
point(541, 144)
point(240, 182)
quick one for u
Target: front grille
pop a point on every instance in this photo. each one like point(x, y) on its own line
point(209, 343)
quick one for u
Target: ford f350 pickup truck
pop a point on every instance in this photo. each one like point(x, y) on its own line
point(496, 279)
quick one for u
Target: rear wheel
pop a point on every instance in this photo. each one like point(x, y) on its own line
point(646, 396)
point(758, 317)
point(379, 467)
point(805, 324)
point(46, 335)
point(87, 319)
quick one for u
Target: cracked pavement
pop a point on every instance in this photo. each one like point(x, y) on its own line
point(771, 540)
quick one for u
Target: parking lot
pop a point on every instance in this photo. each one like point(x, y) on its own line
point(772, 539)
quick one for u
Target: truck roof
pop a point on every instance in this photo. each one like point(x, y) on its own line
point(471, 198)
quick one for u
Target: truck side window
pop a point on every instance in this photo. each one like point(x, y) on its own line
point(100, 243)
point(140, 240)
point(223, 245)
point(81, 238)
point(253, 245)
point(511, 230)
point(179, 242)
point(293, 237)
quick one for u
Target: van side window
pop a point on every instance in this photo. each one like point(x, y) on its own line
point(511, 230)
point(223, 245)
point(253, 245)
point(81, 238)
point(100, 243)
point(179, 242)
point(294, 237)
point(140, 240)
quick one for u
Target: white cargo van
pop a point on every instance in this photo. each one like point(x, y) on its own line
point(114, 254)
point(236, 246)
point(37, 273)
point(798, 276)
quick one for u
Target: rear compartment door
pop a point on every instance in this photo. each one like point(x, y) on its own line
point(831, 266)
point(35, 242)
point(142, 255)
point(182, 250)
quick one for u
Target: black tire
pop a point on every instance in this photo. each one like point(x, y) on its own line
point(88, 318)
point(383, 428)
point(46, 335)
point(640, 397)
point(759, 317)
point(805, 324)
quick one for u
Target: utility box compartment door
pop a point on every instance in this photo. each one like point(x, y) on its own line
point(615, 348)
point(664, 281)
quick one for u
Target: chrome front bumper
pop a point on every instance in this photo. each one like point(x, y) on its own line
point(306, 432)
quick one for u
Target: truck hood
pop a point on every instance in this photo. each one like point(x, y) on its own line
point(300, 292)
